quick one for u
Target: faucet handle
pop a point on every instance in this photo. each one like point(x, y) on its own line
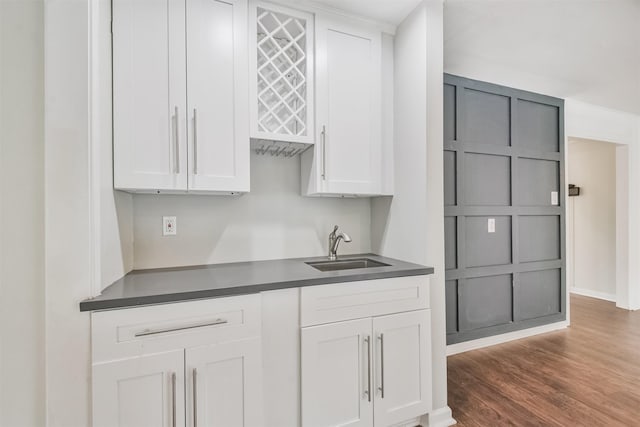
point(335, 228)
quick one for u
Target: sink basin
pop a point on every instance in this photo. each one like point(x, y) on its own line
point(346, 264)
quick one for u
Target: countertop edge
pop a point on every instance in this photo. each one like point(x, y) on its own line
point(132, 302)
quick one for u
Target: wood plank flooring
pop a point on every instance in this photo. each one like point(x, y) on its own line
point(586, 375)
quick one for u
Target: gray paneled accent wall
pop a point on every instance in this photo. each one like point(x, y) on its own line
point(504, 213)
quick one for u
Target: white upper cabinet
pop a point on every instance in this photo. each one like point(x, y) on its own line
point(217, 91)
point(149, 95)
point(180, 96)
point(347, 158)
point(282, 70)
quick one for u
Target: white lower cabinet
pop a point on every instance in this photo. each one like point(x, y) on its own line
point(352, 354)
point(336, 368)
point(224, 387)
point(146, 391)
point(374, 370)
point(403, 363)
point(367, 372)
point(185, 364)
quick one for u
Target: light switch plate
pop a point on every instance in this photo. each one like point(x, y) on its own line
point(491, 225)
point(554, 198)
point(169, 224)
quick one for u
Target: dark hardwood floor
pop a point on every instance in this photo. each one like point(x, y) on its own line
point(586, 375)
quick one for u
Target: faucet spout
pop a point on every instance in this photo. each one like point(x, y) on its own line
point(334, 241)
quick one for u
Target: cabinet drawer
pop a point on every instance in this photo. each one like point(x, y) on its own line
point(118, 334)
point(353, 300)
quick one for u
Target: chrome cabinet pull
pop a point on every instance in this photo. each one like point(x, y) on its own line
point(367, 340)
point(195, 397)
point(381, 388)
point(176, 146)
point(195, 141)
point(179, 328)
point(173, 399)
point(324, 152)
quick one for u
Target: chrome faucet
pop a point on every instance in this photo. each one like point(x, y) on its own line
point(334, 241)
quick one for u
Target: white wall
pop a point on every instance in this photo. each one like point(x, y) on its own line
point(22, 398)
point(272, 221)
point(410, 225)
point(69, 231)
point(112, 211)
point(591, 217)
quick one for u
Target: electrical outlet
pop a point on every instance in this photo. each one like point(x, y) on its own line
point(169, 224)
point(554, 198)
point(491, 225)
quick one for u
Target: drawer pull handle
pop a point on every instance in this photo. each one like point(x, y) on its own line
point(195, 398)
point(176, 154)
point(173, 399)
point(323, 134)
point(195, 141)
point(381, 388)
point(179, 328)
point(367, 340)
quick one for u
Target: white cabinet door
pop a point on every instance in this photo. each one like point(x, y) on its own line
point(336, 367)
point(149, 95)
point(403, 366)
point(218, 103)
point(225, 384)
point(145, 391)
point(348, 92)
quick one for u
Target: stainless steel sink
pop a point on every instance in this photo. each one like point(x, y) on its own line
point(346, 264)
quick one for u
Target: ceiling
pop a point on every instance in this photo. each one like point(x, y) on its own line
point(587, 50)
point(390, 12)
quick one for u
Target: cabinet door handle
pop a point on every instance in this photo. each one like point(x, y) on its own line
point(173, 399)
point(195, 397)
point(323, 134)
point(381, 388)
point(178, 328)
point(367, 340)
point(195, 141)
point(176, 144)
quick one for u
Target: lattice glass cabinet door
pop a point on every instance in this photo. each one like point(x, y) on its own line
point(281, 77)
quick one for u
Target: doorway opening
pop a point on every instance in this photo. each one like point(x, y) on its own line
point(596, 219)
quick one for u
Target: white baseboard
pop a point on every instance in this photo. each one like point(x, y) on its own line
point(440, 417)
point(503, 338)
point(594, 294)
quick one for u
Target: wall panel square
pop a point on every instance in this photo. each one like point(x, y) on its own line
point(450, 243)
point(450, 178)
point(485, 301)
point(483, 248)
point(487, 180)
point(538, 294)
point(487, 118)
point(538, 126)
point(451, 297)
point(449, 112)
point(536, 180)
point(539, 238)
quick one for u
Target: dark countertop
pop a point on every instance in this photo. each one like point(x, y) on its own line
point(154, 286)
